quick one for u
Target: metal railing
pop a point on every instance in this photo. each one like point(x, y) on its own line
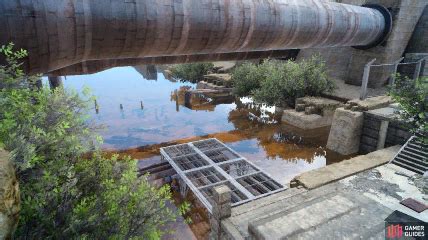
point(369, 65)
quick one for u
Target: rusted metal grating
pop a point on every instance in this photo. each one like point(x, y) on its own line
point(204, 164)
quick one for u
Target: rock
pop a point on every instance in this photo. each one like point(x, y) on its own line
point(9, 197)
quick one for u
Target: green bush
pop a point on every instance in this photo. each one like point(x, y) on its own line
point(278, 83)
point(413, 98)
point(64, 194)
point(192, 72)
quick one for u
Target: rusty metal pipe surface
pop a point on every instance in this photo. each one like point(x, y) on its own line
point(60, 33)
point(94, 66)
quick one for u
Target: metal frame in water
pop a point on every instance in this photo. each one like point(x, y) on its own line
point(205, 164)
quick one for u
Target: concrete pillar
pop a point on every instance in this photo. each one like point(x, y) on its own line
point(382, 134)
point(345, 132)
point(221, 209)
point(55, 82)
point(347, 63)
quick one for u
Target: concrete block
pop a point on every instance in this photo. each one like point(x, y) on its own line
point(303, 121)
point(345, 132)
point(222, 194)
point(222, 211)
point(310, 110)
point(300, 107)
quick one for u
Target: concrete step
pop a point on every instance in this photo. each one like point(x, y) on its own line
point(275, 204)
point(403, 165)
point(335, 216)
point(413, 162)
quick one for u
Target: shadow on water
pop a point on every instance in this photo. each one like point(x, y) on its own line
point(156, 113)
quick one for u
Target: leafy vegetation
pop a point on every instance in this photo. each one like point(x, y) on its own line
point(192, 72)
point(279, 83)
point(413, 98)
point(66, 194)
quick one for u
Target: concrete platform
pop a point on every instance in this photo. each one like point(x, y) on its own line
point(352, 208)
point(305, 121)
point(337, 171)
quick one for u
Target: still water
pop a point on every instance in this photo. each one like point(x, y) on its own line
point(141, 115)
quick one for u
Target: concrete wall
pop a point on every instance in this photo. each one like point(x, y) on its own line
point(396, 133)
point(347, 63)
point(419, 41)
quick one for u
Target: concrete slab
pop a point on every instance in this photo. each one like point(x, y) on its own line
point(305, 121)
point(353, 208)
point(388, 185)
point(337, 171)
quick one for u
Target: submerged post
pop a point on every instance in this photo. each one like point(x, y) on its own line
point(221, 209)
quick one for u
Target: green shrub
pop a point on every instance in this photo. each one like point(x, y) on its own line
point(247, 77)
point(192, 72)
point(413, 98)
point(65, 195)
point(278, 83)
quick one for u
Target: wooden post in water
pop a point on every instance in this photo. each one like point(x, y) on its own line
point(121, 106)
point(141, 104)
point(97, 107)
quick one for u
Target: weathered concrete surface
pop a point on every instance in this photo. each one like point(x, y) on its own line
point(337, 171)
point(345, 131)
point(388, 185)
point(9, 197)
point(418, 42)
point(119, 29)
point(318, 112)
point(347, 63)
point(370, 103)
point(352, 208)
point(305, 121)
point(374, 136)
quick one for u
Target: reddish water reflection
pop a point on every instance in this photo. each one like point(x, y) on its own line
point(252, 130)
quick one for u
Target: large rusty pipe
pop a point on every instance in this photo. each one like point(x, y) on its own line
point(59, 33)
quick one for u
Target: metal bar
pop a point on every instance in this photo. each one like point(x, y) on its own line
point(418, 69)
point(392, 79)
point(365, 80)
point(402, 148)
point(252, 164)
point(204, 201)
point(222, 172)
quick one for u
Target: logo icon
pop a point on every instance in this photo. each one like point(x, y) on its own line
point(394, 231)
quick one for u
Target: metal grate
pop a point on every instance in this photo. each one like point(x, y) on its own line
point(205, 164)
